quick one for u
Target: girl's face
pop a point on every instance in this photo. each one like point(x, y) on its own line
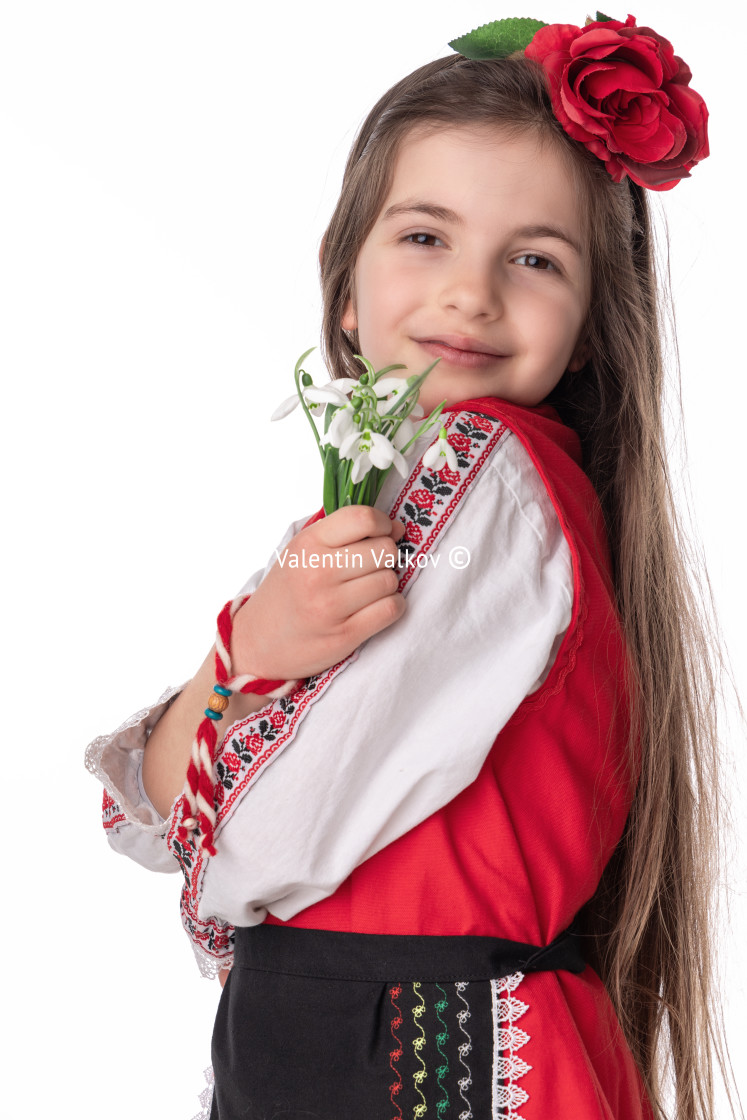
point(477, 259)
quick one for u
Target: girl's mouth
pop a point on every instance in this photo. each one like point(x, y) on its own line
point(458, 351)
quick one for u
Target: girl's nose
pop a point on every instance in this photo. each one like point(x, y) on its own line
point(473, 290)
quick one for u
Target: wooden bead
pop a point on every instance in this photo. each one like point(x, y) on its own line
point(217, 703)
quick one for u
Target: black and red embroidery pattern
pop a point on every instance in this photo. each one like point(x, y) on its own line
point(429, 497)
point(111, 813)
point(214, 938)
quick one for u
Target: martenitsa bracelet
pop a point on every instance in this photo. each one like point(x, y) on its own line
point(198, 801)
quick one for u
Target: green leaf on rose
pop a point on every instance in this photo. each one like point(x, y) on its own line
point(602, 18)
point(498, 39)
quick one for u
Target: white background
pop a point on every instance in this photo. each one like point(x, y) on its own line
point(168, 170)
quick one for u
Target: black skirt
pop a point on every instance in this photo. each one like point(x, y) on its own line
point(347, 1026)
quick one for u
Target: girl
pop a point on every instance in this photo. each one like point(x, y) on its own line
point(449, 847)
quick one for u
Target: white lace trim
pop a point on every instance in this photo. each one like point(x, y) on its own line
point(206, 1096)
point(209, 966)
point(508, 1067)
point(95, 753)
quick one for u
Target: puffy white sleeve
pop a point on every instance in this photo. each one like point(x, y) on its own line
point(133, 826)
point(379, 743)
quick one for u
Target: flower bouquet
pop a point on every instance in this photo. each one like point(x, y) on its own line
point(367, 426)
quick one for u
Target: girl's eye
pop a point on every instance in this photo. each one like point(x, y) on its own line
point(534, 260)
point(427, 239)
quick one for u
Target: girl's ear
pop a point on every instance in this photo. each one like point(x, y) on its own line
point(349, 320)
point(580, 356)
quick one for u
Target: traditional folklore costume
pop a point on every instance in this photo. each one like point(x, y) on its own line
point(399, 884)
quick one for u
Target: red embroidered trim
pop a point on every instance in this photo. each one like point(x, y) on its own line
point(214, 938)
point(467, 434)
point(394, 1055)
point(111, 813)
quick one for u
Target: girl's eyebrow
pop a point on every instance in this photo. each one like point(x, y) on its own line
point(556, 232)
point(414, 206)
point(443, 214)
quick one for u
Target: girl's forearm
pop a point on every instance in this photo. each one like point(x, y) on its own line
point(170, 743)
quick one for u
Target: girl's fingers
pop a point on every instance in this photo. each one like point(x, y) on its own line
point(366, 557)
point(357, 594)
point(375, 617)
point(353, 524)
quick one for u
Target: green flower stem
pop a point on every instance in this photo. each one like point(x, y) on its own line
point(412, 388)
point(297, 377)
point(365, 494)
point(427, 423)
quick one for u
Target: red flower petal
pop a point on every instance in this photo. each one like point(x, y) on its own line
point(665, 50)
point(691, 107)
point(622, 92)
point(648, 147)
point(554, 37)
point(601, 83)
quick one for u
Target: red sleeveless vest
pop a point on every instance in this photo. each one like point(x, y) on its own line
point(518, 852)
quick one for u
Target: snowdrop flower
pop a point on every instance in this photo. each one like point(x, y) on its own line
point(370, 449)
point(405, 432)
point(439, 450)
point(334, 392)
point(386, 385)
point(341, 425)
point(327, 394)
point(285, 407)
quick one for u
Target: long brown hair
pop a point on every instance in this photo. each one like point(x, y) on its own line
point(648, 925)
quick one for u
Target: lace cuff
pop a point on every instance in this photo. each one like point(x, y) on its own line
point(116, 759)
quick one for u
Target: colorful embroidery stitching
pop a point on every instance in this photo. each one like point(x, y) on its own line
point(464, 1049)
point(210, 937)
point(429, 498)
point(394, 1055)
point(442, 1071)
point(418, 1043)
point(507, 1039)
point(111, 813)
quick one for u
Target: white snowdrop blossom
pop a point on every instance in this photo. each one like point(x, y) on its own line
point(341, 425)
point(367, 426)
point(438, 451)
point(394, 385)
point(334, 392)
point(327, 394)
point(405, 432)
point(285, 407)
point(370, 449)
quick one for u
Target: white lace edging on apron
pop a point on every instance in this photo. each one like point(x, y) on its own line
point(206, 1096)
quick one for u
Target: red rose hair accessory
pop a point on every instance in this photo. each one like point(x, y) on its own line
point(617, 88)
point(198, 801)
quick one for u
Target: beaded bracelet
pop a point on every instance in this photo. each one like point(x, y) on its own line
point(198, 800)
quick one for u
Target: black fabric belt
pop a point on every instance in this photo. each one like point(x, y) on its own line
point(330, 955)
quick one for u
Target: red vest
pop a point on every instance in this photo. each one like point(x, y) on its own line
point(518, 852)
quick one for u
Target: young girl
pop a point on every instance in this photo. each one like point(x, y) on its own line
point(453, 845)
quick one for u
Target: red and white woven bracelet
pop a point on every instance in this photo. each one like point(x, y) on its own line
point(198, 801)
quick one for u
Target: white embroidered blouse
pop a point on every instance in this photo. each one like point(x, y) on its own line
point(369, 749)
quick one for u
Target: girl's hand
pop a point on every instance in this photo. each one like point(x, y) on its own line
point(304, 618)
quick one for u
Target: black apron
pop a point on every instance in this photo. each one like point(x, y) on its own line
point(348, 1026)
